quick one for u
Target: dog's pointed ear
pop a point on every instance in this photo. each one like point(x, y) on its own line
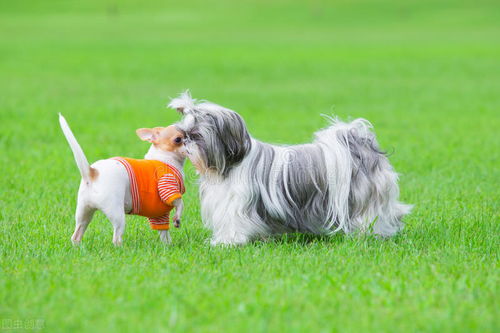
point(184, 104)
point(148, 134)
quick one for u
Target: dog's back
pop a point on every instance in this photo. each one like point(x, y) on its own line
point(341, 181)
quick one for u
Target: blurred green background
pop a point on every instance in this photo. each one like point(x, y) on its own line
point(425, 73)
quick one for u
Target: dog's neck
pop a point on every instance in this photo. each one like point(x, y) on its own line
point(175, 160)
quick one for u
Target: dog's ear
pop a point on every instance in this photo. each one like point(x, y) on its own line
point(148, 134)
point(226, 140)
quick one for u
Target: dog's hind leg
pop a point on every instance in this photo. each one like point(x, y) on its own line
point(83, 216)
point(116, 216)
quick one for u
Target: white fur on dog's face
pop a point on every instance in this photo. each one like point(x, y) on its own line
point(216, 137)
point(168, 139)
point(193, 153)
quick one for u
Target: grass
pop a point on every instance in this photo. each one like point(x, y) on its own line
point(424, 72)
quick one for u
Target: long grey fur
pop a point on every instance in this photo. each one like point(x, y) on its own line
point(341, 181)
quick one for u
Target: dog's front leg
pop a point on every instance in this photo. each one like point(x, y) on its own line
point(165, 236)
point(229, 240)
point(179, 206)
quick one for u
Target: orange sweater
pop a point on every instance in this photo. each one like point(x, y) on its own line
point(154, 186)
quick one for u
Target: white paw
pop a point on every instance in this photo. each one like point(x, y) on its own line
point(232, 241)
point(165, 237)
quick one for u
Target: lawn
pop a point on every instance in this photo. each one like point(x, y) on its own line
point(425, 73)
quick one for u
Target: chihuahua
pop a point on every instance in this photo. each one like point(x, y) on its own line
point(151, 187)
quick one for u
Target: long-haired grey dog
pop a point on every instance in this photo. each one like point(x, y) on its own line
point(339, 182)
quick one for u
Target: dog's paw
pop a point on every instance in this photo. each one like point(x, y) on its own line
point(231, 241)
point(214, 242)
point(165, 237)
point(177, 223)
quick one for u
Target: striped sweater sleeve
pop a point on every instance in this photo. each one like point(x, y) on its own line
point(169, 189)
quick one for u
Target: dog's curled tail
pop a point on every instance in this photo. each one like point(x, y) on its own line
point(88, 173)
point(364, 191)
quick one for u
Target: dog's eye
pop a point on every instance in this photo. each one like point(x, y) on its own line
point(178, 139)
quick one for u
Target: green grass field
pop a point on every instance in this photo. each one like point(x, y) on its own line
point(425, 73)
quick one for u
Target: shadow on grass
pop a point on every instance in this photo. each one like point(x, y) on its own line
point(302, 239)
point(335, 239)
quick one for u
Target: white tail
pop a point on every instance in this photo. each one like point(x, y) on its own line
point(81, 160)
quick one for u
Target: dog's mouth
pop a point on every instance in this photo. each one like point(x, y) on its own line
point(187, 152)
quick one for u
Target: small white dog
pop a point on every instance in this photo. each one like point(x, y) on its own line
point(119, 186)
point(341, 181)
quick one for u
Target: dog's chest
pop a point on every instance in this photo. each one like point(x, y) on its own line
point(219, 201)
